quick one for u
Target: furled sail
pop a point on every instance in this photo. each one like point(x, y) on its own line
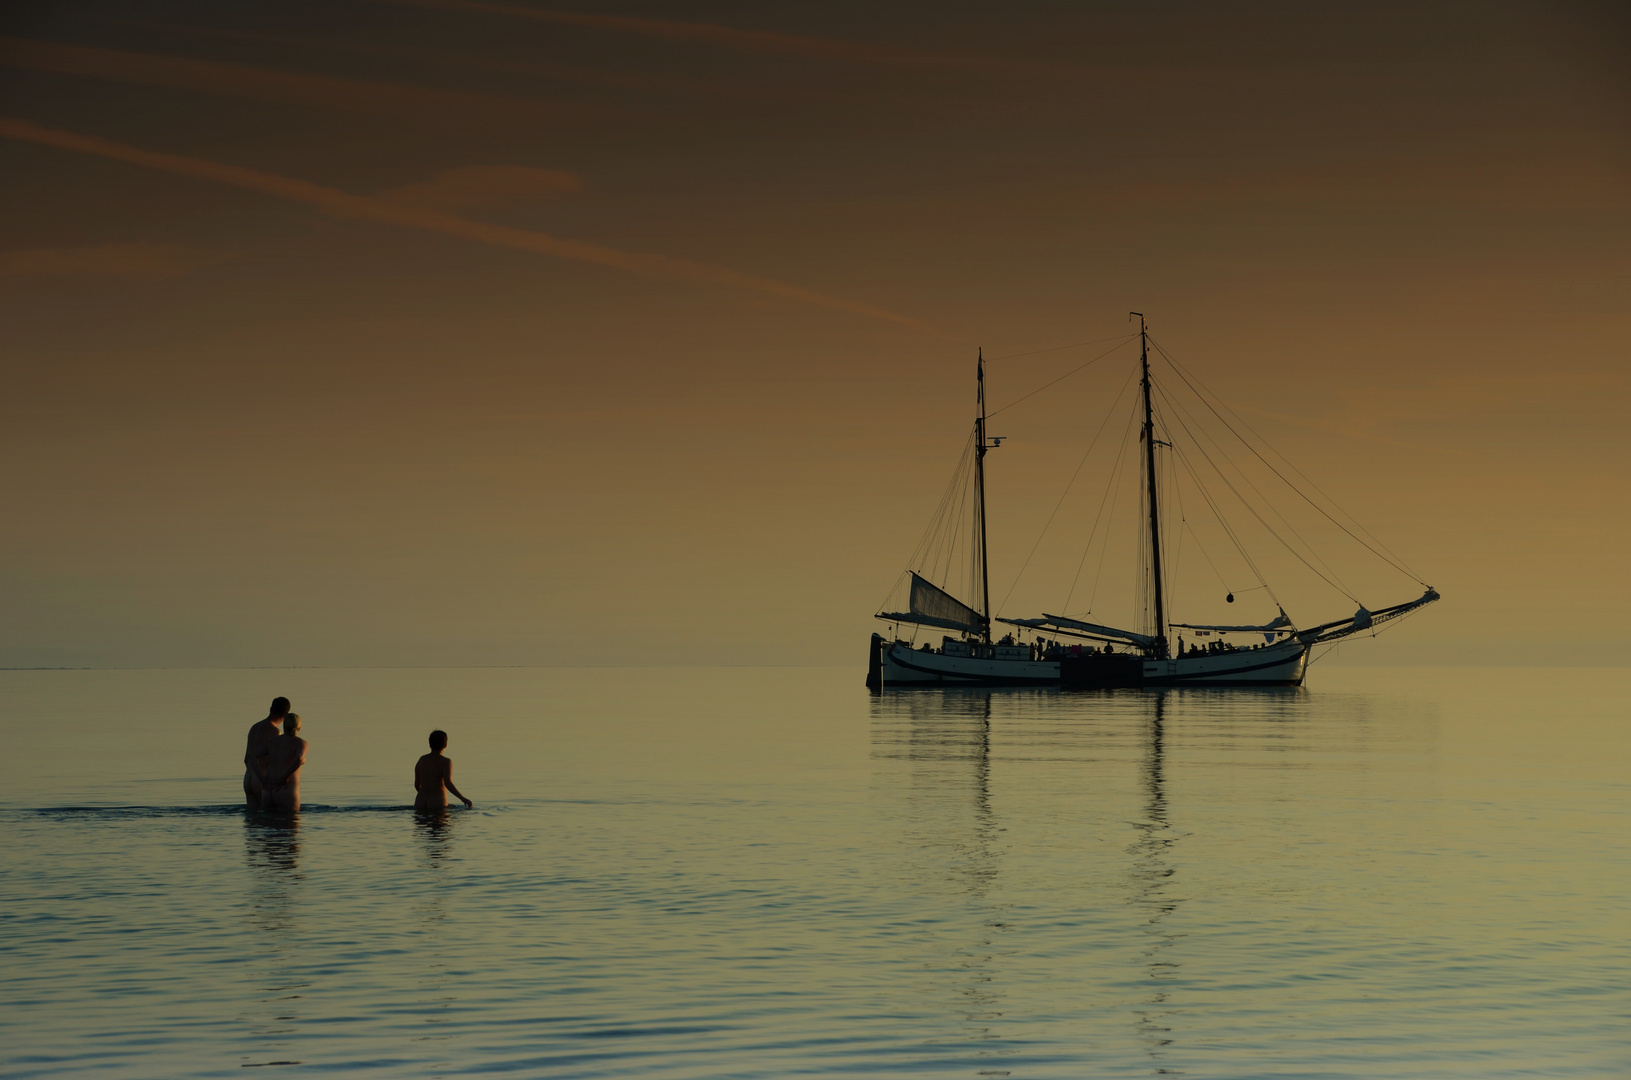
point(1280, 622)
point(1083, 629)
point(933, 606)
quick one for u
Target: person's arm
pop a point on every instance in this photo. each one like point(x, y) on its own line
point(284, 779)
point(252, 759)
point(447, 778)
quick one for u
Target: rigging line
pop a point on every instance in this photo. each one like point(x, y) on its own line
point(1112, 493)
point(1111, 485)
point(1389, 558)
point(1217, 511)
point(1223, 522)
point(953, 530)
point(1228, 529)
point(934, 537)
point(1065, 376)
point(1184, 415)
point(1269, 528)
point(926, 541)
point(1057, 348)
point(1183, 522)
point(939, 558)
point(1066, 493)
point(1202, 549)
point(931, 535)
point(1267, 502)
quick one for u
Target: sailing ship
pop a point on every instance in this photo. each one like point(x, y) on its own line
point(1081, 653)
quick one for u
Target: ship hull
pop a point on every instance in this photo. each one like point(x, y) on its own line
point(1280, 664)
point(900, 665)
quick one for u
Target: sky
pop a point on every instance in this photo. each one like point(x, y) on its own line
point(455, 332)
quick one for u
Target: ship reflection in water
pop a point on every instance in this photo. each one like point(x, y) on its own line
point(1043, 818)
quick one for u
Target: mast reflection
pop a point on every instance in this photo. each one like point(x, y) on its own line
point(952, 842)
point(1154, 895)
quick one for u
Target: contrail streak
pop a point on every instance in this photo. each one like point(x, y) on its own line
point(342, 204)
point(269, 84)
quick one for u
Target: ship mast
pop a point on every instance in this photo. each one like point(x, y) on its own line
point(979, 497)
point(1160, 633)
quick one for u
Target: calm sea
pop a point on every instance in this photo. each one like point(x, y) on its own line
point(762, 873)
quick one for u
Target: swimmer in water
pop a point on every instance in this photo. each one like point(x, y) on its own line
point(284, 757)
point(433, 778)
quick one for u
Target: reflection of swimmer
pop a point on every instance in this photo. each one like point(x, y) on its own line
point(284, 757)
point(272, 852)
point(272, 847)
point(433, 778)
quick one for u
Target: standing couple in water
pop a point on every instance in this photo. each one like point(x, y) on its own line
point(272, 761)
point(276, 753)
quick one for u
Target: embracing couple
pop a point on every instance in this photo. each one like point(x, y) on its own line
point(273, 759)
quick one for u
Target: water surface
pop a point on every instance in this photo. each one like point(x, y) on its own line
point(762, 873)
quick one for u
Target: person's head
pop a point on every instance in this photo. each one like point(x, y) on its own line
point(280, 708)
point(438, 740)
point(291, 723)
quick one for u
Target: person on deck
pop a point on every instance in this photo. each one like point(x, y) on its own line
point(284, 757)
point(263, 732)
point(433, 778)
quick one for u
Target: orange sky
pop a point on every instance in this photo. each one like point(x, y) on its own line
point(493, 333)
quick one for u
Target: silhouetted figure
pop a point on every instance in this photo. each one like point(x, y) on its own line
point(433, 778)
point(284, 757)
point(262, 733)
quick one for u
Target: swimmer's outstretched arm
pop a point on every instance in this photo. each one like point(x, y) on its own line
point(447, 778)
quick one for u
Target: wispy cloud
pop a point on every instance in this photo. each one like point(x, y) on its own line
point(345, 205)
point(474, 186)
point(1372, 413)
point(759, 41)
point(573, 74)
point(269, 84)
point(133, 261)
point(755, 41)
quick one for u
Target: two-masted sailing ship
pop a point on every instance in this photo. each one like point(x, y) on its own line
point(1059, 650)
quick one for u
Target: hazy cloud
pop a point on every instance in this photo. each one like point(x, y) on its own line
point(754, 41)
point(269, 84)
point(475, 186)
point(344, 205)
point(135, 261)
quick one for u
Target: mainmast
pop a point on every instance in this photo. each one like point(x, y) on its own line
point(979, 495)
point(1160, 633)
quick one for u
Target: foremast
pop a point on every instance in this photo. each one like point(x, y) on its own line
point(1160, 629)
